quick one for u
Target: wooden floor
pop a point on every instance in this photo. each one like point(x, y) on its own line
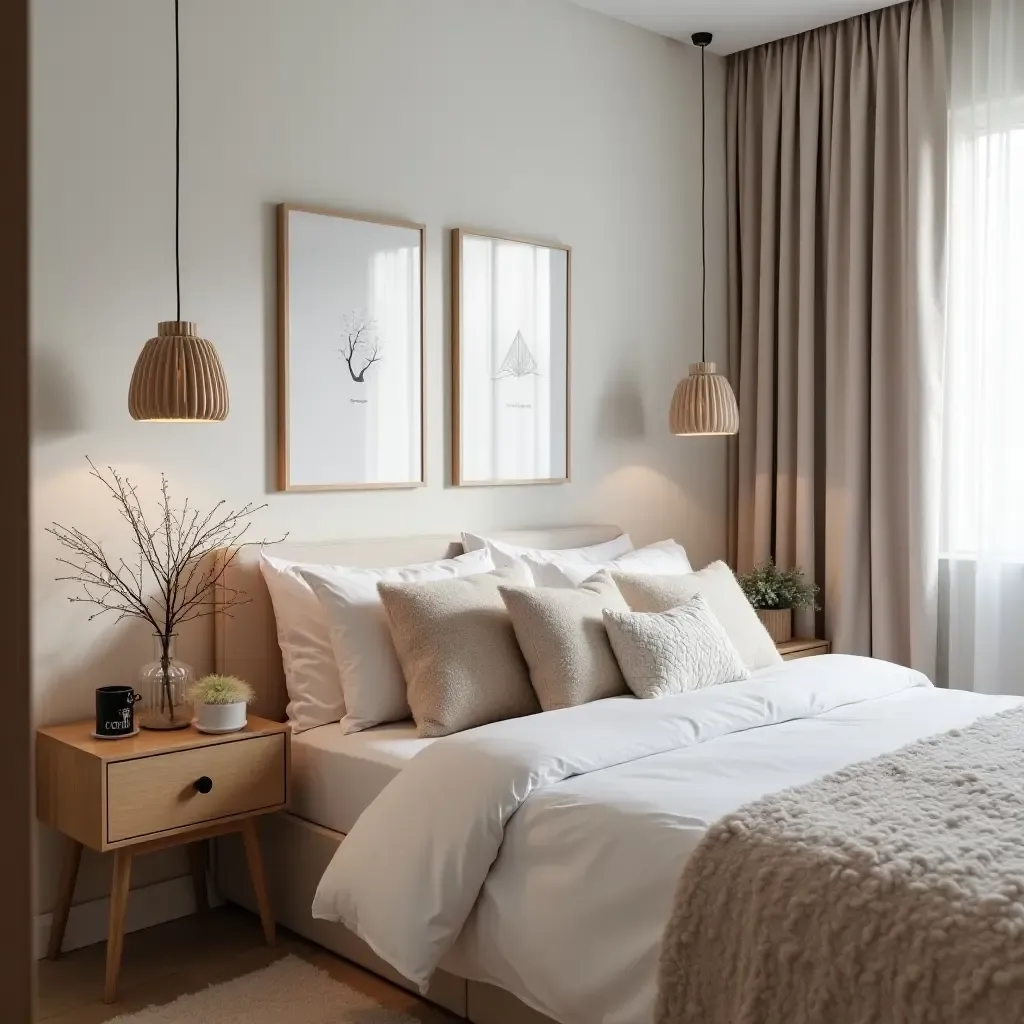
point(187, 955)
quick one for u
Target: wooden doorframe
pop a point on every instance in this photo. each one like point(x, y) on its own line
point(17, 963)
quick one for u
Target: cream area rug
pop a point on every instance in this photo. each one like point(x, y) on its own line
point(289, 990)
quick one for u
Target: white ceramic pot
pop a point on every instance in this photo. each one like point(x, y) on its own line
point(220, 717)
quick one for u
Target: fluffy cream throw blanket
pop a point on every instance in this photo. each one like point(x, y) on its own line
point(891, 891)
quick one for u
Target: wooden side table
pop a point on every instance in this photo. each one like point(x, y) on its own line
point(157, 789)
point(810, 648)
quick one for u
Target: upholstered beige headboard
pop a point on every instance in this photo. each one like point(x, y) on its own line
point(245, 639)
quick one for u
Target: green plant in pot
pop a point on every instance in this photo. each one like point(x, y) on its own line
point(774, 593)
point(220, 703)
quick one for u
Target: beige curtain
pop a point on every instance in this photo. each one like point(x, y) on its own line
point(836, 159)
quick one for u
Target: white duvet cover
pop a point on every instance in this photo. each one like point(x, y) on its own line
point(542, 854)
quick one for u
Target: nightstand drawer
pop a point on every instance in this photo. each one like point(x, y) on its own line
point(157, 793)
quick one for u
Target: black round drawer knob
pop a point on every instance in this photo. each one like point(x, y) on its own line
point(203, 784)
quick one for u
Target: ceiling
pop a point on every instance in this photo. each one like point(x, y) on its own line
point(736, 24)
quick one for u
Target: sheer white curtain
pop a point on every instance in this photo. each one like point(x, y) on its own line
point(981, 636)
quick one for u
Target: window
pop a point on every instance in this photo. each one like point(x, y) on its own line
point(983, 489)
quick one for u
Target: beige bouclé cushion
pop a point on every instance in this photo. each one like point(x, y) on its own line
point(562, 635)
point(662, 653)
point(458, 651)
point(724, 597)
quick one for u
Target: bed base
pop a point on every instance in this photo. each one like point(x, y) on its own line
point(296, 853)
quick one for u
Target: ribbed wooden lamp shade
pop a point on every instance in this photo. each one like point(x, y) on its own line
point(704, 403)
point(178, 376)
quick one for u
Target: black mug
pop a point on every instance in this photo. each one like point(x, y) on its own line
point(115, 711)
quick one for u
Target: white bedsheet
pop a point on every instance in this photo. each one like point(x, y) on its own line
point(335, 776)
point(565, 905)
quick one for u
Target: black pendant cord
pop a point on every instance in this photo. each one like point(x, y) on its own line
point(177, 162)
point(703, 204)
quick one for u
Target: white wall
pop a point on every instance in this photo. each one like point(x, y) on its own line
point(529, 116)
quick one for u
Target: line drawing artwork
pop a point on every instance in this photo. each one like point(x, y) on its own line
point(519, 361)
point(361, 345)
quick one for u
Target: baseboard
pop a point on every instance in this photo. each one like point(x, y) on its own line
point(147, 906)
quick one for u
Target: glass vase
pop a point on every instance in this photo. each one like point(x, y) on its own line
point(162, 684)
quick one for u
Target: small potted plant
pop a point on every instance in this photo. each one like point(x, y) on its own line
point(774, 593)
point(220, 703)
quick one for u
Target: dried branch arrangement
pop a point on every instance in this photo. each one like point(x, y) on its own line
point(176, 577)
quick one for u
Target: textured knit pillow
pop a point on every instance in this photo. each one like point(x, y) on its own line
point(685, 648)
point(562, 636)
point(458, 651)
point(724, 597)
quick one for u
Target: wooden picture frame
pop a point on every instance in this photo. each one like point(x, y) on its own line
point(500, 362)
point(330, 261)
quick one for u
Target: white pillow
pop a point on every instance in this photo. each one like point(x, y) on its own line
point(506, 555)
point(371, 676)
point(666, 558)
point(311, 676)
point(723, 595)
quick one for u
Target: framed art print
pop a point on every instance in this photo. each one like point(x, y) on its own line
point(510, 360)
point(350, 374)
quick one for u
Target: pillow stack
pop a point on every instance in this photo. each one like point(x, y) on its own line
point(459, 654)
point(339, 660)
point(648, 634)
point(725, 600)
point(562, 635)
point(505, 631)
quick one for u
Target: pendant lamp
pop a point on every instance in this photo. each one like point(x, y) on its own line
point(704, 402)
point(178, 375)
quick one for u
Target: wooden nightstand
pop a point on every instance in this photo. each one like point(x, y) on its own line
point(155, 790)
point(793, 649)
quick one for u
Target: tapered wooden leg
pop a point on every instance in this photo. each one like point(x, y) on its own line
point(115, 930)
point(197, 863)
point(65, 891)
point(254, 858)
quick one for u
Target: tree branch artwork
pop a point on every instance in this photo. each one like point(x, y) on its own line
point(176, 579)
point(361, 345)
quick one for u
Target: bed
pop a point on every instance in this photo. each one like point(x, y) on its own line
point(525, 871)
point(299, 845)
point(335, 776)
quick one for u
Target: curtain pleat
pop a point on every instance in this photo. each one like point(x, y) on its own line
point(836, 144)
